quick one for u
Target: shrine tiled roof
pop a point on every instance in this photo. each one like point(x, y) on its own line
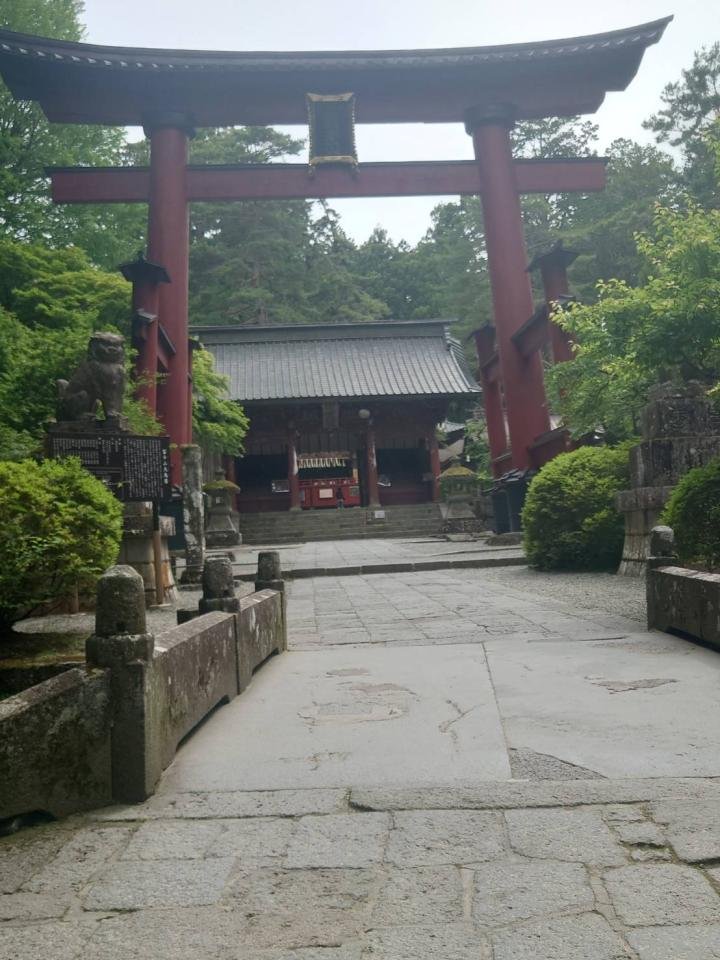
point(336, 361)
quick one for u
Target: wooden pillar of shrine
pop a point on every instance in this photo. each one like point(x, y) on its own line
point(168, 244)
point(293, 473)
point(434, 452)
point(495, 421)
point(553, 270)
point(522, 378)
point(373, 490)
point(146, 278)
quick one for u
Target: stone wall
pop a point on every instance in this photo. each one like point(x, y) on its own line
point(685, 600)
point(55, 745)
point(106, 732)
point(680, 598)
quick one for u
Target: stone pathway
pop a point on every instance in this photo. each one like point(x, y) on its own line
point(350, 555)
point(463, 765)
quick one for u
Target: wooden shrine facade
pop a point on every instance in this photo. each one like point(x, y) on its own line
point(341, 415)
point(170, 92)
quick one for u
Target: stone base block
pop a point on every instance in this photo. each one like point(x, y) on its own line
point(136, 550)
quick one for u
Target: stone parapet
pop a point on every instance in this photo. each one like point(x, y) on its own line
point(106, 732)
point(685, 600)
point(55, 746)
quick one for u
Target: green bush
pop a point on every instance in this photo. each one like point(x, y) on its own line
point(60, 528)
point(693, 511)
point(569, 519)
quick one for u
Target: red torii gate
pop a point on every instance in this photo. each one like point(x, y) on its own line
point(169, 92)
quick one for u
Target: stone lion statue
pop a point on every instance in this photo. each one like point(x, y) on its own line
point(100, 378)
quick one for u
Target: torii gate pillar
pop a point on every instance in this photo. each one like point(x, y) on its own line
point(525, 403)
point(168, 244)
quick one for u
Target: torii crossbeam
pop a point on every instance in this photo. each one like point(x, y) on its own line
point(169, 92)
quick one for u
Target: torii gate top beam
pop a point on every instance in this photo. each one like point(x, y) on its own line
point(87, 83)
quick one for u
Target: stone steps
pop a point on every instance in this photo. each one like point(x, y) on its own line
point(416, 520)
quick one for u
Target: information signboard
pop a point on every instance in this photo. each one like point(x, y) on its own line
point(134, 468)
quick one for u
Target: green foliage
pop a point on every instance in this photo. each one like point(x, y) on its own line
point(666, 329)
point(604, 225)
point(279, 261)
point(693, 512)
point(477, 449)
point(51, 301)
point(59, 529)
point(691, 107)
point(219, 424)
point(569, 518)
point(28, 144)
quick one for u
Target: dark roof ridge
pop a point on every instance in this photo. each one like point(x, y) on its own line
point(361, 330)
point(105, 54)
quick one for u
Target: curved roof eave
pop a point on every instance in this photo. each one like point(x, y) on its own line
point(90, 83)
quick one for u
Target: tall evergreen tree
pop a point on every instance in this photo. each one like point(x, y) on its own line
point(29, 144)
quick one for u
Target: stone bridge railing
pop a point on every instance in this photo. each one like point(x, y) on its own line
point(679, 598)
point(104, 733)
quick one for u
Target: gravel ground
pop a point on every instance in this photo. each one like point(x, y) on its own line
point(624, 596)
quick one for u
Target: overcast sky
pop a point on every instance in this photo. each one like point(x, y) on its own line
point(378, 24)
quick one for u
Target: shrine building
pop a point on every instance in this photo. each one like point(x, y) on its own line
point(343, 414)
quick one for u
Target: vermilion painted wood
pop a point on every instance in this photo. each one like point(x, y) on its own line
point(168, 226)
point(280, 182)
point(524, 390)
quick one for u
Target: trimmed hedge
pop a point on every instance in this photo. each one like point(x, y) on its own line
point(569, 518)
point(693, 511)
point(60, 528)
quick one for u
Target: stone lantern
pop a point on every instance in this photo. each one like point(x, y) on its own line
point(222, 528)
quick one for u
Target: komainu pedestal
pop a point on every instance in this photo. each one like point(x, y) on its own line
point(679, 433)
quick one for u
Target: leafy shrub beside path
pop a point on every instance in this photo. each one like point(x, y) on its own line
point(60, 528)
point(693, 511)
point(569, 518)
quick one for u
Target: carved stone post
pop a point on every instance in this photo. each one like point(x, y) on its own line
point(661, 554)
point(269, 577)
point(193, 513)
point(122, 644)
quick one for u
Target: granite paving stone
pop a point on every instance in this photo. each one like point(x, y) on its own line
point(423, 838)
point(622, 813)
point(134, 885)
point(447, 941)
point(692, 828)
point(649, 854)
point(23, 855)
point(579, 835)
point(640, 833)
point(423, 895)
point(172, 840)
point(231, 803)
point(586, 937)
point(255, 843)
point(339, 840)
point(56, 940)
point(32, 906)
point(677, 943)
point(510, 891)
point(205, 933)
point(651, 894)
point(298, 908)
